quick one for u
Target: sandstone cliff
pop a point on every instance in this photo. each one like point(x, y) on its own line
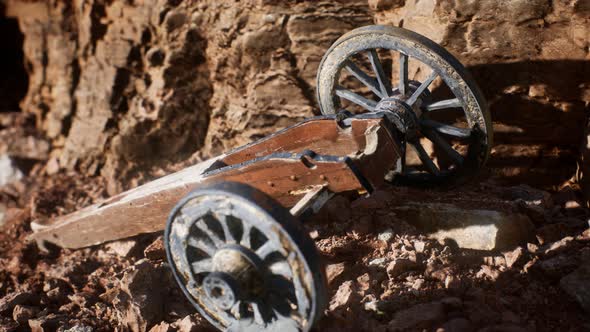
point(120, 88)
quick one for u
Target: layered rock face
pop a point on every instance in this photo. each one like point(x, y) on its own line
point(122, 87)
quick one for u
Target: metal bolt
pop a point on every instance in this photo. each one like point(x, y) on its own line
point(293, 177)
point(270, 184)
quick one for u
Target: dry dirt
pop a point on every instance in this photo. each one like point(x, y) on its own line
point(99, 96)
point(383, 273)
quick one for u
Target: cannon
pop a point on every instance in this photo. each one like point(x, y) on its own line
point(233, 224)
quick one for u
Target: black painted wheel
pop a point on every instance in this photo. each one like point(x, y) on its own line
point(445, 116)
point(244, 261)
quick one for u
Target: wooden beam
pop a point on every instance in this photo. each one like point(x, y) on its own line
point(366, 150)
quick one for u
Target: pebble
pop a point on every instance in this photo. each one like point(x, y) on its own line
point(532, 248)
point(381, 261)
point(122, 248)
point(155, 251)
point(418, 283)
point(2, 214)
point(23, 313)
point(191, 324)
point(80, 328)
point(269, 18)
point(559, 246)
point(400, 266)
point(419, 246)
point(452, 282)
point(343, 295)
point(333, 271)
point(515, 256)
point(8, 171)
point(386, 235)
point(162, 327)
point(370, 303)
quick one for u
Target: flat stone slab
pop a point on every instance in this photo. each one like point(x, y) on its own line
point(478, 229)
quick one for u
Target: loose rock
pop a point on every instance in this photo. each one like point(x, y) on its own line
point(191, 324)
point(386, 235)
point(559, 246)
point(401, 266)
point(577, 285)
point(452, 282)
point(162, 327)
point(8, 171)
point(80, 328)
point(46, 323)
point(551, 233)
point(122, 248)
point(417, 317)
point(381, 261)
point(343, 295)
point(529, 195)
point(23, 313)
point(556, 266)
point(2, 214)
point(333, 271)
point(471, 229)
point(141, 300)
point(11, 300)
point(514, 257)
point(155, 251)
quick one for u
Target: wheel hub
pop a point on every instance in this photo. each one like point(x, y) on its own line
point(399, 113)
point(404, 116)
point(221, 289)
point(237, 272)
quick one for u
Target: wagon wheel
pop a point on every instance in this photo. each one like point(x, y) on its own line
point(243, 261)
point(357, 72)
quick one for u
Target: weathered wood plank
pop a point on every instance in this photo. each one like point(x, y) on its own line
point(140, 210)
point(366, 151)
point(321, 135)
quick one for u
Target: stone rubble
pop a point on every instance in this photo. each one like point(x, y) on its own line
point(9, 173)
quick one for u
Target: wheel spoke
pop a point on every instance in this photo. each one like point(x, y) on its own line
point(403, 73)
point(356, 98)
point(443, 104)
point(257, 314)
point(265, 249)
point(384, 84)
point(223, 220)
point(235, 310)
point(204, 265)
point(435, 138)
point(425, 158)
point(202, 245)
point(262, 313)
point(246, 235)
point(421, 88)
point(446, 129)
point(202, 225)
point(367, 80)
point(281, 268)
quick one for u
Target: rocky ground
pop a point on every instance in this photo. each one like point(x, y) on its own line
point(483, 257)
point(99, 96)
